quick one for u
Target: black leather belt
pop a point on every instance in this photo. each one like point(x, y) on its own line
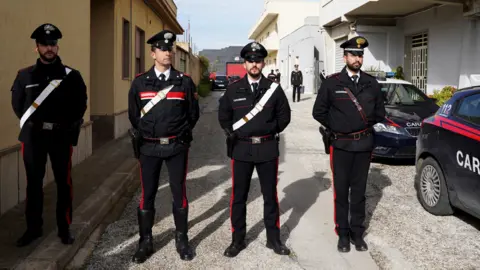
point(163, 140)
point(353, 136)
point(257, 140)
point(48, 125)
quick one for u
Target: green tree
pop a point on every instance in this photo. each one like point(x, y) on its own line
point(444, 95)
point(204, 64)
point(399, 73)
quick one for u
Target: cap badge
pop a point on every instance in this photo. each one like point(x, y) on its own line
point(360, 42)
point(255, 46)
point(48, 28)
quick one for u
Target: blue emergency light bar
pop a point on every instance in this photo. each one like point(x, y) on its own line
point(381, 75)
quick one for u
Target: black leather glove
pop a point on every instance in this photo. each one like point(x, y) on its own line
point(230, 133)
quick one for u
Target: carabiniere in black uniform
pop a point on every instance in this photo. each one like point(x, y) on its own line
point(163, 134)
point(350, 132)
point(254, 145)
point(52, 129)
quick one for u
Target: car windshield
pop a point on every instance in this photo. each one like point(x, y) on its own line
point(221, 78)
point(404, 94)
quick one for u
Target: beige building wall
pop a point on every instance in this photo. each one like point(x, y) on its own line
point(112, 122)
point(20, 53)
point(93, 44)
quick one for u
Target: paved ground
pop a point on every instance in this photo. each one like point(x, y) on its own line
point(87, 177)
point(401, 234)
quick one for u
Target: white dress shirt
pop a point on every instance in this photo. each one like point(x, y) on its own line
point(250, 82)
point(166, 72)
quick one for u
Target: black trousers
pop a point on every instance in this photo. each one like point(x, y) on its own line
point(350, 173)
point(35, 153)
point(241, 177)
point(296, 89)
point(177, 166)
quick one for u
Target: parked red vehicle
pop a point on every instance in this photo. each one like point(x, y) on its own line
point(235, 70)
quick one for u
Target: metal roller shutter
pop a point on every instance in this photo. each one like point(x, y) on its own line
point(339, 64)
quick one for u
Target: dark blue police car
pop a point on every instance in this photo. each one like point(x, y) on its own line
point(448, 156)
point(406, 106)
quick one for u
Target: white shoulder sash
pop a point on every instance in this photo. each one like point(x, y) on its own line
point(162, 94)
point(47, 91)
point(258, 107)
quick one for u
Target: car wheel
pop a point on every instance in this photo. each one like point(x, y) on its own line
point(432, 189)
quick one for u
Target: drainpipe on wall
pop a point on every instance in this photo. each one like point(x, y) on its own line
point(131, 39)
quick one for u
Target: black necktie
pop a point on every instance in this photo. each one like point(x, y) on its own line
point(354, 78)
point(255, 87)
point(162, 77)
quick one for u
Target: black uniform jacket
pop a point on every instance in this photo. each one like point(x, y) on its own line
point(64, 107)
point(174, 116)
point(296, 78)
point(239, 100)
point(335, 110)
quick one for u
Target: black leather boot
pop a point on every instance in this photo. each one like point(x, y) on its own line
point(273, 242)
point(29, 236)
point(180, 216)
point(65, 236)
point(145, 244)
point(360, 244)
point(238, 244)
point(343, 243)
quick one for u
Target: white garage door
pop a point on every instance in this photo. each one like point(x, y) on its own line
point(339, 64)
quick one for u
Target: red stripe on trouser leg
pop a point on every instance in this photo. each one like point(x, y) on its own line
point(233, 194)
point(69, 183)
point(276, 198)
point(142, 201)
point(26, 178)
point(184, 184)
point(334, 193)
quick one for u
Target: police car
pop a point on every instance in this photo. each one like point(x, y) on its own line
point(448, 156)
point(406, 106)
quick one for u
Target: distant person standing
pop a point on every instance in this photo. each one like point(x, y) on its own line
point(278, 75)
point(297, 81)
point(272, 76)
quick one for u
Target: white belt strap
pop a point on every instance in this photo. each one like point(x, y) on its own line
point(47, 91)
point(162, 94)
point(258, 107)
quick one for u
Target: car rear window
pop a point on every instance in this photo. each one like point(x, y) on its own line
point(221, 78)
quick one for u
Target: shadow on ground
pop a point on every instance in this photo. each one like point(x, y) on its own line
point(299, 197)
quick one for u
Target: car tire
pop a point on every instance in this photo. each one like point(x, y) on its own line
point(432, 189)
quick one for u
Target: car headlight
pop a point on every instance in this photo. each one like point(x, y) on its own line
point(380, 127)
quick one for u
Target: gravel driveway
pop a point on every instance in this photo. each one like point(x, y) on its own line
point(401, 234)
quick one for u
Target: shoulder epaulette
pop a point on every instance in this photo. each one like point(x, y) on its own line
point(237, 80)
point(25, 69)
point(333, 75)
point(139, 74)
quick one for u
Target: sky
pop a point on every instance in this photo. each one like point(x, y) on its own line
point(218, 24)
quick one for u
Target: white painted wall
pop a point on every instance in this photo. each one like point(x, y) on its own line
point(333, 9)
point(292, 14)
point(453, 47)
